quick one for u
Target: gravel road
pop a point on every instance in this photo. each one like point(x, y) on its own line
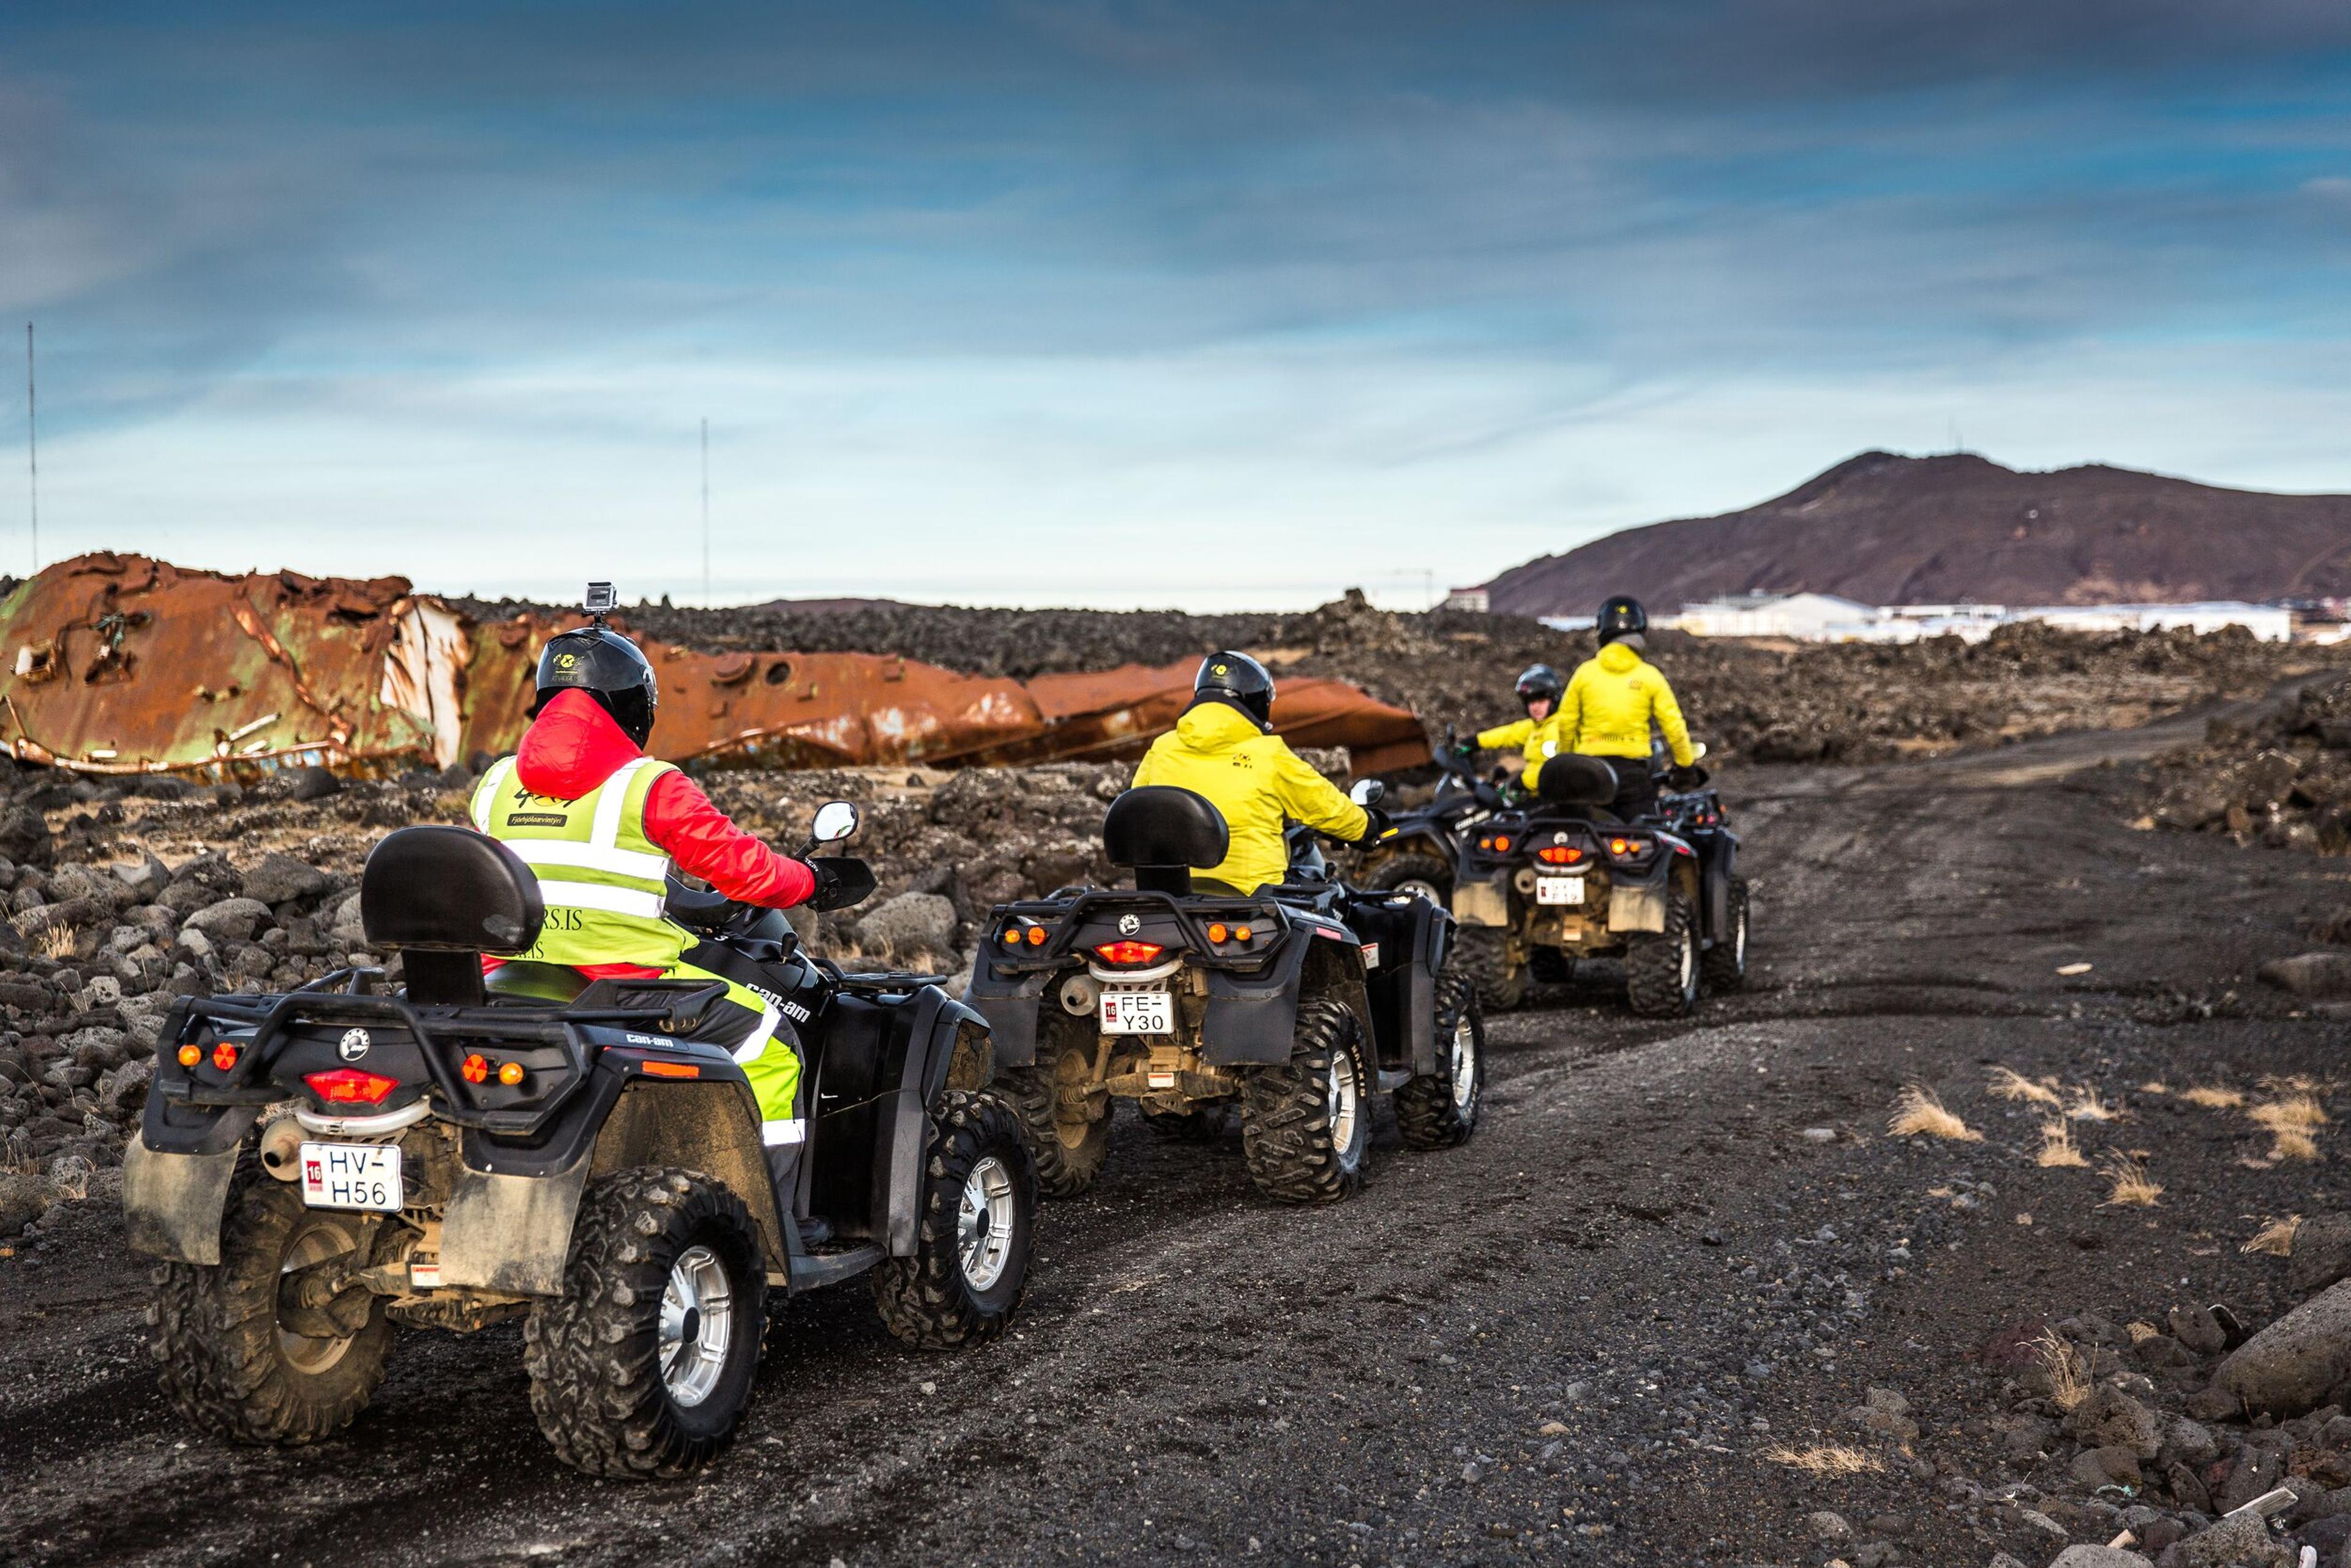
point(1579, 1339)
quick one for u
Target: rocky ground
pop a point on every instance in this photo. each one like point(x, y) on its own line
point(1688, 1297)
point(1846, 703)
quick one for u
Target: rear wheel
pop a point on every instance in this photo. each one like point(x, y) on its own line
point(1439, 1109)
point(1725, 964)
point(246, 1353)
point(1306, 1126)
point(1427, 876)
point(979, 1211)
point(1484, 953)
point(1052, 1101)
point(1661, 968)
point(643, 1367)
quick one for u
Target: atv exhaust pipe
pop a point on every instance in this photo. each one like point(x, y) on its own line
point(281, 1148)
point(1081, 994)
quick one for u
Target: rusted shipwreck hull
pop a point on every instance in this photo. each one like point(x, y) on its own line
point(123, 664)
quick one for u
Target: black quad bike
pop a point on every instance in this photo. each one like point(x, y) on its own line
point(1295, 1004)
point(1546, 882)
point(1422, 846)
point(321, 1168)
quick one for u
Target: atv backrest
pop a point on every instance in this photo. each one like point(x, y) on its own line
point(443, 897)
point(1165, 834)
point(1572, 779)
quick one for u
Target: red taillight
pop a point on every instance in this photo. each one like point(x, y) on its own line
point(350, 1086)
point(1128, 952)
point(1502, 844)
point(1559, 854)
point(224, 1056)
point(474, 1069)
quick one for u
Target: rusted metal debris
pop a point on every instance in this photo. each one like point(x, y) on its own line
point(123, 664)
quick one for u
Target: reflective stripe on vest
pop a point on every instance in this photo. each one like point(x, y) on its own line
point(600, 877)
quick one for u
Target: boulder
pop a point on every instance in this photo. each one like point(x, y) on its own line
point(2198, 1330)
point(2096, 1467)
point(2099, 1557)
point(2240, 1541)
point(276, 878)
point(230, 920)
point(313, 784)
point(911, 925)
point(2322, 1254)
point(23, 1199)
point(2289, 1366)
point(2112, 1419)
point(2315, 976)
point(2187, 1442)
point(24, 837)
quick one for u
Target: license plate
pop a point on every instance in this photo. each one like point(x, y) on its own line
point(1138, 1012)
point(352, 1175)
point(1559, 890)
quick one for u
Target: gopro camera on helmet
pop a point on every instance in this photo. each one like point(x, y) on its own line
point(601, 601)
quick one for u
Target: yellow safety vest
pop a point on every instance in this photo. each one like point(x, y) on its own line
point(602, 880)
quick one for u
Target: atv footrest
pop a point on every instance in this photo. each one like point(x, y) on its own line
point(830, 1268)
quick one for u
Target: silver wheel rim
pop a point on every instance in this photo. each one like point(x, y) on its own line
point(1424, 887)
point(1690, 962)
point(1739, 942)
point(697, 1320)
point(1465, 1063)
point(312, 1244)
point(984, 1224)
point(1340, 1098)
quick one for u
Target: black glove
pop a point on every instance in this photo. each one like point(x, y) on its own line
point(1375, 827)
point(827, 894)
point(1681, 778)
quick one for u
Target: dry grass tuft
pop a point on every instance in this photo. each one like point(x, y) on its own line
point(2142, 1333)
point(2299, 1112)
point(2133, 1187)
point(2010, 1084)
point(2214, 1099)
point(2296, 1083)
point(1826, 1460)
point(2292, 1145)
point(57, 941)
point(2087, 1107)
point(2276, 1238)
point(2155, 1086)
point(1916, 1110)
point(2057, 1150)
point(2069, 1380)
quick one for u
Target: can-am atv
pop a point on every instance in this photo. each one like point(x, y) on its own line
point(1545, 883)
point(1422, 846)
point(1296, 1003)
point(321, 1168)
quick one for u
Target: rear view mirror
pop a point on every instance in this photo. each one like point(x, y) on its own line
point(835, 820)
point(1367, 792)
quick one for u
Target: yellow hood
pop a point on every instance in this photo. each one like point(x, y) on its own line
point(1617, 659)
point(1213, 726)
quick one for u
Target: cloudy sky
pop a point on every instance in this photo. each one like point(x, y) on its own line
point(1199, 304)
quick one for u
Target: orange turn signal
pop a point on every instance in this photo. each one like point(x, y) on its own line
point(1240, 933)
point(1011, 936)
point(1216, 932)
point(672, 1069)
point(191, 1054)
point(510, 1074)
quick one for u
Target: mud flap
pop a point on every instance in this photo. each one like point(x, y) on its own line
point(512, 1233)
point(1481, 903)
point(172, 1203)
point(1637, 908)
point(1009, 1007)
point(1253, 1021)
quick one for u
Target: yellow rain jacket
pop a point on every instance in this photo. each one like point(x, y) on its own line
point(1257, 781)
point(1607, 712)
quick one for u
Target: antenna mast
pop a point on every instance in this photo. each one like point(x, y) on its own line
point(32, 447)
point(705, 512)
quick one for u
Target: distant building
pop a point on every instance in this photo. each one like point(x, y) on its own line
point(1475, 598)
point(1808, 617)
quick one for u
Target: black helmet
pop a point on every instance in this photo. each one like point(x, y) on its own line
point(1621, 616)
point(607, 666)
point(1239, 680)
point(1541, 681)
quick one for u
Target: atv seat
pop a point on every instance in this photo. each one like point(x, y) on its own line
point(1165, 834)
point(1574, 779)
point(441, 897)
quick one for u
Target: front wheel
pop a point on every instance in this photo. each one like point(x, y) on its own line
point(643, 1367)
point(1306, 1125)
point(1661, 968)
point(1725, 964)
point(245, 1351)
point(979, 1214)
point(1425, 874)
point(1484, 953)
point(1439, 1110)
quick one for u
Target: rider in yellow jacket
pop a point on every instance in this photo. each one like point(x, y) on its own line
point(1223, 748)
point(1605, 711)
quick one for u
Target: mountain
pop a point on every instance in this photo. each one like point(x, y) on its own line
point(1886, 529)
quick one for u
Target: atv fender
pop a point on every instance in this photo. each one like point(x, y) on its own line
point(1007, 1005)
point(1484, 900)
point(172, 1203)
point(934, 1024)
point(1721, 866)
point(1638, 902)
point(1252, 1019)
point(512, 1233)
